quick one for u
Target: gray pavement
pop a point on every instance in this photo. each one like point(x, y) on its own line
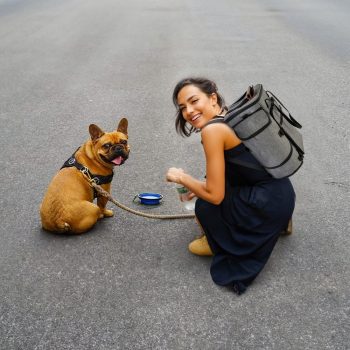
point(130, 283)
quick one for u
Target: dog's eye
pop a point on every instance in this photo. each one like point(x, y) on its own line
point(107, 145)
point(123, 142)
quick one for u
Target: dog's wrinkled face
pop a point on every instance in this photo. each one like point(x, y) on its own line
point(111, 148)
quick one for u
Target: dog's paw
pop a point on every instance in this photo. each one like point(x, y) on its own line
point(107, 213)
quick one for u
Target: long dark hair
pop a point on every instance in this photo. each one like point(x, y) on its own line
point(205, 85)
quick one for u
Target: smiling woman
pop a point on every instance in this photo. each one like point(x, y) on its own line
point(189, 98)
point(242, 211)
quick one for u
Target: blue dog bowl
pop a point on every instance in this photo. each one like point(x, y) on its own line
point(150, 198)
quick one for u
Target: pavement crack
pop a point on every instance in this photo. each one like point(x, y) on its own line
point(337, 183)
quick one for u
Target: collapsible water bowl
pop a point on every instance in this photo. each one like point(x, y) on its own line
point(149, 198)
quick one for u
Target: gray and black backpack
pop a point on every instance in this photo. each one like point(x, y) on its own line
point(268, 130)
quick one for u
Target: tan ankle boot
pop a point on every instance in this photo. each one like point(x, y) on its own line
point(200, 246)
point(289, 229)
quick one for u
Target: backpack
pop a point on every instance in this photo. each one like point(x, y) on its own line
point(268, 130)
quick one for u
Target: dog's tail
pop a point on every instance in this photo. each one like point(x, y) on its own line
point(50, 223)
point(62, 228)
point(58, 227)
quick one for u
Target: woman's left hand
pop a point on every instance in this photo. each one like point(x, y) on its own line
point(174, 175)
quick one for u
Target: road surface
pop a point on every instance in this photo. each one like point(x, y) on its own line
point(131, 283)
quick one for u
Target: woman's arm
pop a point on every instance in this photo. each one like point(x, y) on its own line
point(214, 139)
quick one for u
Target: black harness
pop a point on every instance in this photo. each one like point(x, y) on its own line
point(98, 179)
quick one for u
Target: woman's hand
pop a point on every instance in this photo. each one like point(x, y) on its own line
point(190, 196)
point(174, 175)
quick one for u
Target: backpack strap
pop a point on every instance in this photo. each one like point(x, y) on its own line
point(215, 120)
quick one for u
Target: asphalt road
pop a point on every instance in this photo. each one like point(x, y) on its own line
point(130, 283)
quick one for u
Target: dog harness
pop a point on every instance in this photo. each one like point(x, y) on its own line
point(98, 179)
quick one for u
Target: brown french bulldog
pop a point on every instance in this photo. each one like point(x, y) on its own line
point(68, 203)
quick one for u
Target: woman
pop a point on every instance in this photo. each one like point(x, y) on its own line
point(242, 211)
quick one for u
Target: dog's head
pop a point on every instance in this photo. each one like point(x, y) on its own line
point(111, 148)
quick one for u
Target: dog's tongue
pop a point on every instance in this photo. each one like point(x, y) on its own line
point(118, 160)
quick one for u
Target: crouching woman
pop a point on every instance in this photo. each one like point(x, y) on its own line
point(242, 211)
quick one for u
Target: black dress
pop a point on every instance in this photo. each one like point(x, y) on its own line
point(244, 228)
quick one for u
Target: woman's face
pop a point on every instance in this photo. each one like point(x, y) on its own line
point(197, 107)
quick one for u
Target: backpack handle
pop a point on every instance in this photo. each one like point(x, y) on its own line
point(288, 117)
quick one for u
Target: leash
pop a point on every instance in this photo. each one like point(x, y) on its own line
point(103, 193)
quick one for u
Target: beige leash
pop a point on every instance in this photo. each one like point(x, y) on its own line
point(104, 193)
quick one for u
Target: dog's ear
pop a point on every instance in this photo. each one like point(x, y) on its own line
point(123, 126)
point(95, 132)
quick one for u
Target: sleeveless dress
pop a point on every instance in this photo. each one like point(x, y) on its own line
point(243, 230)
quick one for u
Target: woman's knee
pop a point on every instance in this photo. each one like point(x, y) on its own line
point(204, 208)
